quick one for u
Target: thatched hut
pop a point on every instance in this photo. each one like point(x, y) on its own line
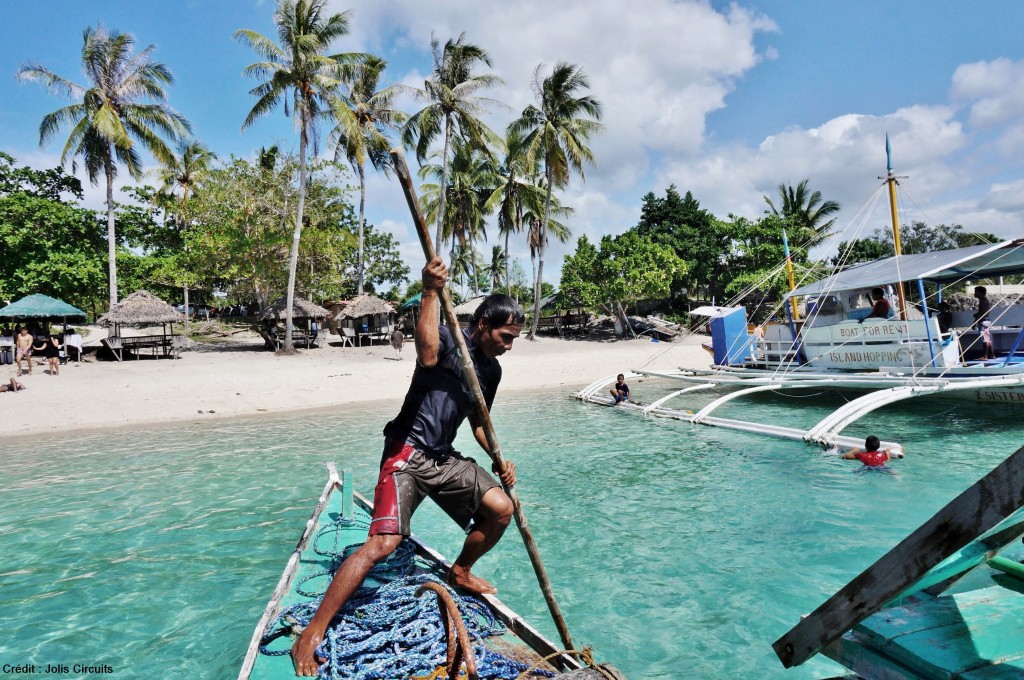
point(464, 312)
point(307, 320)
point(301, 309)
point(365, 316)
point(142, 308)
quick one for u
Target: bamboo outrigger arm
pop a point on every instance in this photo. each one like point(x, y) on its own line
point(469, 375)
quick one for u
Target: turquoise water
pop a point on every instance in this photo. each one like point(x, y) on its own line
point(675, 550)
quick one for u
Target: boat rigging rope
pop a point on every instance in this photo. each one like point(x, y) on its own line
point(386, 630)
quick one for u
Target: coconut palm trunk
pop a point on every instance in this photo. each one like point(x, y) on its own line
point(444, 181)
point(508, 285)
point(362, 222)
point(541, 247)
point(111, 234)
point(293, 262)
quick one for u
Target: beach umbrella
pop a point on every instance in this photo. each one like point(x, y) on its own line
point(414, 301)
point(41, 307)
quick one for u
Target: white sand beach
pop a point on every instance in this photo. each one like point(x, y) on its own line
point(239, 378)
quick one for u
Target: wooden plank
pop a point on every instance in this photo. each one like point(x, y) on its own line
point(990, 500)
point(946, 636)
point(925, 612)
point(854, 653)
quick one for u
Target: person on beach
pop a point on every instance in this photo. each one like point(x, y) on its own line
point(397, 340)
point(984, 306)
point(870, 455)
point(880, 306)
point(50, 347)
point(621, 390)
point(13, 386)
point(419, 459)
point(23, 343)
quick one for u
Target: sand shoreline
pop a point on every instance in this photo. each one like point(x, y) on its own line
point(239, 378)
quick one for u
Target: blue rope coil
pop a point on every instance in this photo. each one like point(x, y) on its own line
point(386, 631)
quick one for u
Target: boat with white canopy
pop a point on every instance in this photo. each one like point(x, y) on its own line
point(840, 343)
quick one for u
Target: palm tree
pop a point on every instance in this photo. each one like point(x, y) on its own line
point(555, 134)
point(806, 211)
point(122, 106)
point(469, 196)
point(183, 171)
point(365, 118)
point(300, 70)
point(452, 107)
point(533, 217)
point(516, 190)
point(499, 263)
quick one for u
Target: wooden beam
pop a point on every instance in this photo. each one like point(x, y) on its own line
point(981, 507)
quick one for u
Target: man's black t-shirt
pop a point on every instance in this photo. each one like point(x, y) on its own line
point(438, 401)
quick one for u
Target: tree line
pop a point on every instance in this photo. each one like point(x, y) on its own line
point(121, 109)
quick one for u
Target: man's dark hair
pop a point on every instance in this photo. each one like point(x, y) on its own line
point(499, 310)
point(877, 292)
point(872, 443)
point(981, 289)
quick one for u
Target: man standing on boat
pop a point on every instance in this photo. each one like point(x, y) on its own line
point(984, 306)
point(419, 459)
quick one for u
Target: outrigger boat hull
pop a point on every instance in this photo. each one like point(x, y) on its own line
point(523, 643)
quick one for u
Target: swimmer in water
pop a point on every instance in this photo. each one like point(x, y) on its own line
point(871, 455)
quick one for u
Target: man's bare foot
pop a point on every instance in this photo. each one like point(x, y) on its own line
point(460, 577)
point(304, 657)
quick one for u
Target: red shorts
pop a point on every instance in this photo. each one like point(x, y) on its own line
point(407, 476)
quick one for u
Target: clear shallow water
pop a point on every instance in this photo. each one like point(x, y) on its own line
point(675, 550)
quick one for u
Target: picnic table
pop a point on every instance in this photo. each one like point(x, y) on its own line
point(162, 345)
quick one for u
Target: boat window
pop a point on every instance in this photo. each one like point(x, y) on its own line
point(860, 300)
point(828, 304)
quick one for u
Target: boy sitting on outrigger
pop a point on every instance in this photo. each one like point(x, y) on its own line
point(870, 455)
point(621, 390)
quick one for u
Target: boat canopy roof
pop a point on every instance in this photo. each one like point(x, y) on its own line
point(984, 261)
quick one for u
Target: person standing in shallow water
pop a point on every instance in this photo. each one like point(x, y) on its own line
point(419, 459)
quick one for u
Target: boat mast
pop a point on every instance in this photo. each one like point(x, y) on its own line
point(890, 179)
point(789, 272)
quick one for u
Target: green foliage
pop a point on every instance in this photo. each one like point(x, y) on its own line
point(692, 232)
point(806, 214)
point(625, 269)
point(49, 246)
point(382, 262)
point(917, 237)
point(862, 250)
point(240, 234)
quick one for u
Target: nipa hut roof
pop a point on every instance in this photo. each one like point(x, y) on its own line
point(365, 305)
point(139, 309)
point(301, 309)
point(468, 308)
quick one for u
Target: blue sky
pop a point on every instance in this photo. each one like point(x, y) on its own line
point(727, 100)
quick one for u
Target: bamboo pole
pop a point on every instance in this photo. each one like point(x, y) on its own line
point(469, 375)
